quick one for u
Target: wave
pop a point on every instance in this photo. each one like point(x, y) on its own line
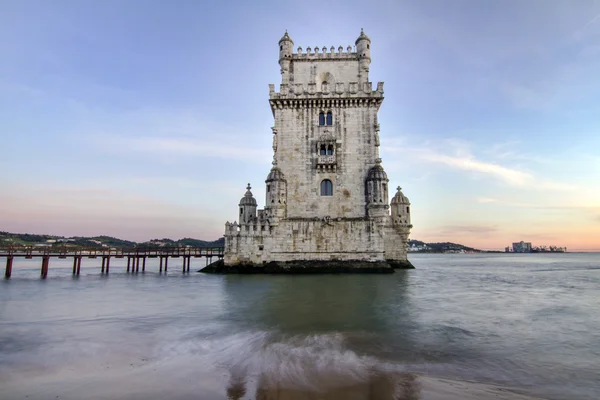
point(303, 361)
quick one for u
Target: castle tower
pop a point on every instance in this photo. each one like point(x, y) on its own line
point(248, 207)
point(377, 191)
point(363, 50)
point(286, 45)
point(400, 209)
point(276, 195)
point(327, 193)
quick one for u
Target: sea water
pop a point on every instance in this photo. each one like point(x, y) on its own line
point(527, 321)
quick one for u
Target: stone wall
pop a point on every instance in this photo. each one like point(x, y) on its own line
point(306, 240)
point(352, 134)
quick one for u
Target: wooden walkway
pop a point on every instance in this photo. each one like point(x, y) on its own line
point(134, 255)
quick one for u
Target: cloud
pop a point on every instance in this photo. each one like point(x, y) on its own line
point(584, 31)
point(569, 209)
point(183, 146)
point(469, 163)
point(464, 160)
point(458, 154)
point(486, 200)
point(469, 229)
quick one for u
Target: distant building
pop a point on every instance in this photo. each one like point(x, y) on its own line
point(521, 247)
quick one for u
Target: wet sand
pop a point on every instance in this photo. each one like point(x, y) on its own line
point(181, 381)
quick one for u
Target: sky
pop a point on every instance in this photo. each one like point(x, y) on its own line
point(146, 119)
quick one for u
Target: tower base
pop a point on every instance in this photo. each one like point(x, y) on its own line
point(308, 267)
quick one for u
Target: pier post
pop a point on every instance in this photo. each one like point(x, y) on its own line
point(160, 265)
point(45, 262)
point(188, 264)
point(166, 262)
point(128, 262)
point(74, 264)
point(137, 264)
point(8, 272)
point(79, 265)
point(107, 264)
point(103, 263)
point(144, 264)
point(184, 261)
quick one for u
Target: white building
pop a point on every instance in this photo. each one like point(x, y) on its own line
point(327, 193)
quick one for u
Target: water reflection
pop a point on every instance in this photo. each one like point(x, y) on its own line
point(322, 337)
point(319, 304)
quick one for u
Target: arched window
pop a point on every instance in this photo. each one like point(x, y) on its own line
point(329, 118)
point(326, 188)
point(330, 150)
point(408, 210)
point(321, 119)
point(322, 150)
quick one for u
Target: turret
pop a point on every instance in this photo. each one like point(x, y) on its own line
point(276, 193)
point(286, 45)
point(247, 207)
point(400, 208)
point(377, 191)
point(363, 50)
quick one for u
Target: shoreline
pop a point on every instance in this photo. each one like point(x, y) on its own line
point(170, 379)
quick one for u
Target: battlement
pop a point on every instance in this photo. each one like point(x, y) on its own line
point(331, 54)
point(337, 90)
point(255, 228)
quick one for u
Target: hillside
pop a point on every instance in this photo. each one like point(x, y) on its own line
point(443, 247)
point(27, 239)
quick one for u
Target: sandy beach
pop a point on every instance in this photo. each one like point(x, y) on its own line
point(178, 380)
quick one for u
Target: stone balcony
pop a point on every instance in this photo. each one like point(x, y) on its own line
point(326, 163)
point(326, 160)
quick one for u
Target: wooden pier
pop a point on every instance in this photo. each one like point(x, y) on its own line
point(134, 256)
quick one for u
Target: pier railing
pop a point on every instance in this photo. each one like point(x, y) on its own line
point(134, 256)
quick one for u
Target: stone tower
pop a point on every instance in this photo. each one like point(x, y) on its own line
point(327, 193)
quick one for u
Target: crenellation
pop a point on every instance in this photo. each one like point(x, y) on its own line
point(323, 53)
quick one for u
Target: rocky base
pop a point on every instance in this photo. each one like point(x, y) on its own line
point(308, 267)
point(396, 264)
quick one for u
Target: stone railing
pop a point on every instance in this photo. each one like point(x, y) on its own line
point(326, 160)
point(312, 90)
